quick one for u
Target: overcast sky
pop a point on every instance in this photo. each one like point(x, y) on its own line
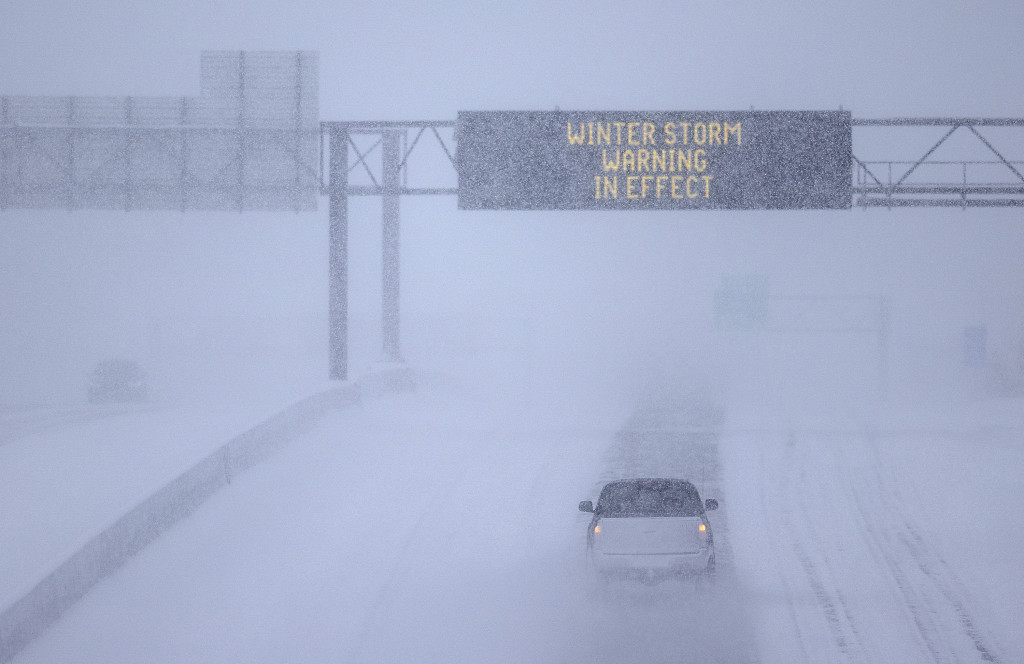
point(406, 60)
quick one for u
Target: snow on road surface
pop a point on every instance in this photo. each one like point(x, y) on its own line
point(867, 543)
point(17, 423)
point(432, 528)
point(418, 528)
point(67, 474)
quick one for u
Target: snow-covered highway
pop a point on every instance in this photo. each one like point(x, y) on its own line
point(439, 527)
point(444, 534)
point(65, 476)
point(881, 541)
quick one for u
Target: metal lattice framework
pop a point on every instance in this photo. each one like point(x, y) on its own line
point(989, 180)
point(421, 146)
point(376, 159)
point(248, 142)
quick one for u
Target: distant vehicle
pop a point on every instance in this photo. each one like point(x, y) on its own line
point(117, 381)
point(651, 529)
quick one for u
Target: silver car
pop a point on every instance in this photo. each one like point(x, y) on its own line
point(651, 529)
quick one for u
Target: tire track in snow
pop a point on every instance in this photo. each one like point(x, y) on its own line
point(923, 583)
point(404, 562)
point(769, 517)
point(481, 457)
point(878, 549)
point(922, 614)
point(925, 602)
point(838, 616)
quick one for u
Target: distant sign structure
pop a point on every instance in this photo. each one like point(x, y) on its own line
point(688, 160)
point(742, 302)
point(975, 345)
point(250, 141)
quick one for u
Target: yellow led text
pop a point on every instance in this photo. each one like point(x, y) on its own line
point(654, 186)
point(641, 160)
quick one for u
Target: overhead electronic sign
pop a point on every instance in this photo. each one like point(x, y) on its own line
point(562, 160)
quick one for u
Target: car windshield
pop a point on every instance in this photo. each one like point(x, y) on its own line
point(649, 498)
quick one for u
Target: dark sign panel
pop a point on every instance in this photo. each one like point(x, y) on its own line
point(539, 160)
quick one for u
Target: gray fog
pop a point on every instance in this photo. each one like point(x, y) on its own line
point(440, 524)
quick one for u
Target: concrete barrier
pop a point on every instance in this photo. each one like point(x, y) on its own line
point(26, 618)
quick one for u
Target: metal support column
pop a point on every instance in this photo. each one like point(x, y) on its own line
point(7, 146)
point(883, 345)
point(338, 252)
point(69, 166)
point(243, 118)
point(390, 243)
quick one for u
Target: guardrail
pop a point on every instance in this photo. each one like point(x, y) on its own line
point(48, 597)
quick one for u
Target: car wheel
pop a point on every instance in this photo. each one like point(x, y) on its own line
point(705, 579)
point(710, 571)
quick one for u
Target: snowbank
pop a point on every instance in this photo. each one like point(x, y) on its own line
point(45, 598)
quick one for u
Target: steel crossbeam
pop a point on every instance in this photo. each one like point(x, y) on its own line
point(968, 182)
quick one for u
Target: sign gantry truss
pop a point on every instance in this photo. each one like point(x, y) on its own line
point(976, 172)
point(426, 150)
point(894, 162)
point(377, 159)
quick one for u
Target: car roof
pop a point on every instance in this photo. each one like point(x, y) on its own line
point(653, 482)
